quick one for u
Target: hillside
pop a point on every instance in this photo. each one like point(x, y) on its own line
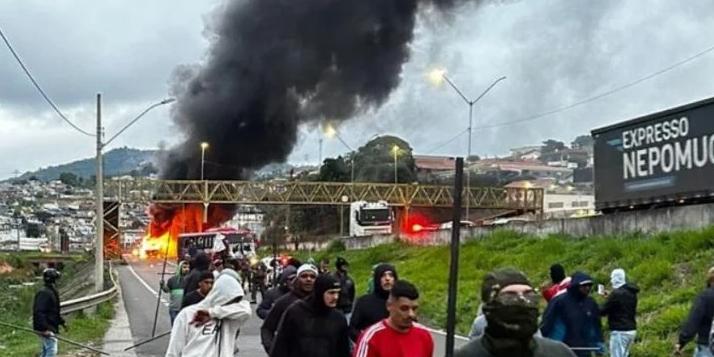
point(669, 268)
point(116, 162)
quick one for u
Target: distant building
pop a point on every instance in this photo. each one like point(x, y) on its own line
point(533, 169)
point(430, 168)
point(561, 201)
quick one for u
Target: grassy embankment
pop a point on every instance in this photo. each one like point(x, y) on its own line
point(16, 308)
point(669, 268)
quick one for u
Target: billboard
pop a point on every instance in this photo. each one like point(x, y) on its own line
point(662, 157)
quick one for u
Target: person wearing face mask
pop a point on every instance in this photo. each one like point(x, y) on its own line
point(347, 295)
point(302, 288)
point(398, 335)
point(372, 308)
point(314, 327)
point(574, 318)
point(699, 322)
point(210, 327)
point(510, 307)
point(620, 309)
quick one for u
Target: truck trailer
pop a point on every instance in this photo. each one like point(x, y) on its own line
point(661, 159)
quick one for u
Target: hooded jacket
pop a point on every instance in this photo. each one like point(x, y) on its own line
point(275, 293)
point(199, 265)
point(46, 310)
point(309, 328)
point(621, 305)
point(270, 325)
point(540, 347)
point(371, 308)
point(573, 318)
point(347, 295)
point(218, 336)
point(174, 287)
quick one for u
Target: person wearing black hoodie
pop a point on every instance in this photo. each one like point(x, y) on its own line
point(372, 308)
point(621, 310)
point(699, 322)
point(347, 295)
point(314, 327)
point(574, 318)
point(301, 289)
point(287, 276)
point(46, 317)
point(199, 265)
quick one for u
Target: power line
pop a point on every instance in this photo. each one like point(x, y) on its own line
point(37, 86)
point(447, 142)
point(601, 95)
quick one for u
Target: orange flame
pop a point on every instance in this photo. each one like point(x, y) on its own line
point(168, 222)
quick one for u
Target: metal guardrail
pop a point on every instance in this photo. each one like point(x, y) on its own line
point(85, 302)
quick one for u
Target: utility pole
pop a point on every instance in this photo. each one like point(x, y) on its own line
point(99, 209)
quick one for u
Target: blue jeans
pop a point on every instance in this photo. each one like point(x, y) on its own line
point(172, 315)
point(702, 351)
point(49, 346)
point(621, 342)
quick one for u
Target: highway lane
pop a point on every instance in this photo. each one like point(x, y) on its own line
point(139, 281)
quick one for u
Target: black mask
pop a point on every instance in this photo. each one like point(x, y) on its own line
point(512, 316)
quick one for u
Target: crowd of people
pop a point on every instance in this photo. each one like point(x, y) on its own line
point(312, 311)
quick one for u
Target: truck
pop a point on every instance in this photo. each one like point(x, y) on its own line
point(660, 159)
point(370, 218)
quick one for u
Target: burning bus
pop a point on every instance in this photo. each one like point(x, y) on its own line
point(238, 242)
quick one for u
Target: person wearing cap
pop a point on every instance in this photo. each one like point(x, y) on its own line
point(621, 310)
point(287, 276)
point(301, 289)
point(699, 322)
point(314, 327)
point(558, 285)
point(574, 318)
point(372, 308)
point(510, 307)
point(347, 295)
point(217, 267)
point(210, 327)
point(46, 318)
point(398, 335)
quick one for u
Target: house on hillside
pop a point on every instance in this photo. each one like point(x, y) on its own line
point(431, 168)
point(532, 169)
point(561, 201)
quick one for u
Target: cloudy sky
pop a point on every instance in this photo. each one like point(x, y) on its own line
point(554, 53)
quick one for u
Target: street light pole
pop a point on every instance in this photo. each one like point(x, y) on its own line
point(471, 109)
point(99, 189)
point(396, 151)
point(204, 146)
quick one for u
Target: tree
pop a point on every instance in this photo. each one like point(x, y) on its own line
point(551, 146)
point(374, 162)
point(69, 179)
point(583, 142)
point(335, 170)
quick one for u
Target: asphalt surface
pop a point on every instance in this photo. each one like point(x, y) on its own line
point(140, 283)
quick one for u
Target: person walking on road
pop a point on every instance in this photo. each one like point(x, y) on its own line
point(510, 307)
point(314, 327)
point(559, 283)
point(174, 287)
point(398, 335)
point(286, 279)
point(372, 308)
point(200, 264)
point(621, 309)
point(574, 318)
point(699, 322)
point(260, 275)
point(302, 288)
point(324, 267)
point(347, 294)
point(204, 287)
point(46, 318)
point(210, 327)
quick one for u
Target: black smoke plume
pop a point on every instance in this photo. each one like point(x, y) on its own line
point(274, 64)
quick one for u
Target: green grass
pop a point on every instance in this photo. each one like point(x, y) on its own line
point(16, 308)
point(669, 268)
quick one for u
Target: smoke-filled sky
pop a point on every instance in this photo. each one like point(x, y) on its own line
point(554, 53)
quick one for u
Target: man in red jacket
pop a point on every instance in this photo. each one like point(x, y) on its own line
point(398, 335)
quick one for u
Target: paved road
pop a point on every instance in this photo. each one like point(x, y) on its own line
point(139, 281)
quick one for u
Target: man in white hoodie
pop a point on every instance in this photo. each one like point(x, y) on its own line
point(210, 327)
